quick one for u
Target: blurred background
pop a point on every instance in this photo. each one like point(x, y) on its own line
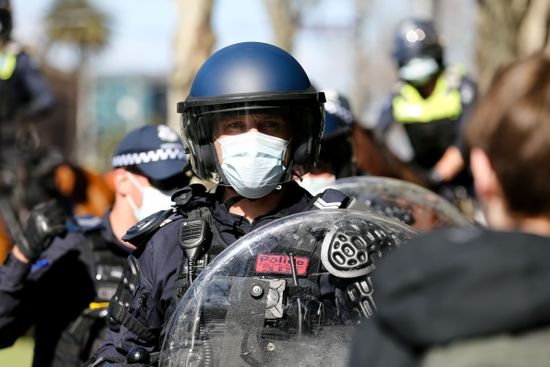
point(116, 65)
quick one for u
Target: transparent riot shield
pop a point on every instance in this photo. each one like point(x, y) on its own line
point(408, 202)
point(286, 294)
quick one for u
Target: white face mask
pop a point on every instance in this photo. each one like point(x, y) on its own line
point(253, 163)
point(316, 185)
point(419, 70)
point(153, 200)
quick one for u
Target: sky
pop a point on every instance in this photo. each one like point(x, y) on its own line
point(142, 36)
point(141, 42)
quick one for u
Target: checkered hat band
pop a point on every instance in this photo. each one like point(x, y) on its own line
point(135, 159)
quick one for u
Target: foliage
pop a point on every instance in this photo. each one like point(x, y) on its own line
point(79, 23)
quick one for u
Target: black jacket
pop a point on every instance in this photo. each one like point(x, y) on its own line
point(454, 285)
point(51, 293)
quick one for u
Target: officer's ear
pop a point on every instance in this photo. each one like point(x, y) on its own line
point(123, 186)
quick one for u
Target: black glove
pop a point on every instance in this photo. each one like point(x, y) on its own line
point(45, 221)
point(432, 179)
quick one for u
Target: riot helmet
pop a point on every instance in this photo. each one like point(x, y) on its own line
point(6, 23)
point(239, 83)
point(417, 50)
point(338, 115)
point(336, 146)
point(416, 38)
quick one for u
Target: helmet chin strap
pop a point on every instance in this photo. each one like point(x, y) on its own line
point(232, 201)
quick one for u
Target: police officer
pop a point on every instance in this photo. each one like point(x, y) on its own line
point(24, 97)
point(421, 123)
point(252, 122)
point(336, 157)
point(24, 92)
point(60, 278)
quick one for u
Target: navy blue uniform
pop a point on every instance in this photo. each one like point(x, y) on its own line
point(159, 259)
point(54, 291)
point(24, 94)
point(29, 94)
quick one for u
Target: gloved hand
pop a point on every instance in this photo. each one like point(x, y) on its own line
point(432, 179)
point(45, 221)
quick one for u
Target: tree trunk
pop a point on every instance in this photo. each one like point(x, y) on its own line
point(508, 30)
point(533, 31)
point(193, 43)
point(86, 133)
point(284, 22)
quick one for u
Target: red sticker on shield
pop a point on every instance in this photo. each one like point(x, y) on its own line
point(280, 264)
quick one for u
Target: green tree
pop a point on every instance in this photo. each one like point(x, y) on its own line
point(77, 23)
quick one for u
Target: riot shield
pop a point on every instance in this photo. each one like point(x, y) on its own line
point(286, 294)
point(412, 204)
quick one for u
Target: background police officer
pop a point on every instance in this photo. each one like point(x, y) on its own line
point(24, 92)
point(252, 123)
point(60, 282)
point(422, 121)
point(336, 158)
point(24, 97)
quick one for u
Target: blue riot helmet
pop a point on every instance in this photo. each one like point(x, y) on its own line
point(417, 50)
point(245, 79)
point(416, 38)
point(338, 115)
point(5, 19)
point(336, 145)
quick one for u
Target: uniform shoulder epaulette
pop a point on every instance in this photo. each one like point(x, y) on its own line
point(331, 199)
point(186, 196)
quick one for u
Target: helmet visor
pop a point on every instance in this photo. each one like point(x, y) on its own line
point(202, 125)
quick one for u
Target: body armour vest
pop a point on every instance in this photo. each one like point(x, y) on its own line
point(430, 123)
point(84, 335)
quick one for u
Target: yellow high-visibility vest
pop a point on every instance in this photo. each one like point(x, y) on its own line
point(444, 103)
point(7, 65)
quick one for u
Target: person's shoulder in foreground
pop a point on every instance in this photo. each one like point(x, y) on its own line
point(479, 297)
point(454, 285)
